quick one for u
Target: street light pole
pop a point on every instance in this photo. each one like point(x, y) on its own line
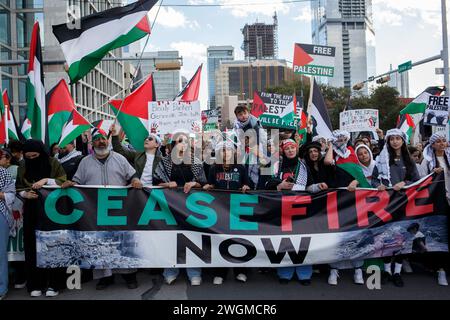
point(445, 46)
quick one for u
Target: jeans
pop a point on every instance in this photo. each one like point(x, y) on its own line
point(303, 272)
point(174, 272)
point(348, 264)
point(4, 237)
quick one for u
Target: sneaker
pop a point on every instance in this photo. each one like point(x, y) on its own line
point(218, 280)
point(36, 293)
point(305, 282)
point(170, 279)
point(241, 277)
point(196, 281)
point(20, 285)
point(130, 280)
point(104, 283)
point(397, 279)
point(442, 279)
point(51, 293)
point(283, 281)
point(385, 277)
point(333, 277)
point(406, 266)
point(358, 276)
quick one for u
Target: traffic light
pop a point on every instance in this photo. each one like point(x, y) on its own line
point(384, 79)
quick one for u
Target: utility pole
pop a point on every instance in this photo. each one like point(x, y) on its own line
point(445, 46)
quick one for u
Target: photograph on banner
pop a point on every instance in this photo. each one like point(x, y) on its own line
point(172, 116)
point(436, 113)
point(15, 244)
point(314, 60)
point(210, 119)
point(359, 120)
point(276, 110)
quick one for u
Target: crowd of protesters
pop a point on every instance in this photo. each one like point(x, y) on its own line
point(313, 166)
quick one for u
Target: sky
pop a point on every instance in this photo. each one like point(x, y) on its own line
point(404, 29)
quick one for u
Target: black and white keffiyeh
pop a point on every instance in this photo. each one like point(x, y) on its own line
point(428, 152)
point(163, 171)
point(7, 186)
point(301, 172)
point(339, 140)
point(72, 154)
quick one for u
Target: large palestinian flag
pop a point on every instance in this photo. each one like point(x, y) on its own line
point(133, 113)
point(35, 88)
point(74, 127)
point(191, 91)
point(59, 108)
point(100, 33)
point(419, 104)
point(317, 109)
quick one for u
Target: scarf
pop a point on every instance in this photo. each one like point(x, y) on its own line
point(340, 147)
point(72, 154)
point(163, 171)
point(37, 168)
point(300, 175)
point(382, 163)
point(428, 152)
point(369, 169)
point(8, 187)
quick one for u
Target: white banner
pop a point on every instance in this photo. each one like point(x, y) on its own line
point(359, 120)
point(172, 116)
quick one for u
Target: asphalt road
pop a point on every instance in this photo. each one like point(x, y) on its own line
point(418, 286)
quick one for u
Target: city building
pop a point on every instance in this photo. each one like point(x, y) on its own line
point(348, 26)
point(261, 40)
point(165, 66)
point(16, 25)
point(400, 81)
point(242, 78)
point(215, 55)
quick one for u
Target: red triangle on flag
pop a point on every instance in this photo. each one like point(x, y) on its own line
point(301, 58)
point(60, 99)
point(144, 25)
point(136, 104)
point(258, 107)
point(78, 119)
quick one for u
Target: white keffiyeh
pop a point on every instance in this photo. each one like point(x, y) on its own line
point(428, 152)
point(339, 144)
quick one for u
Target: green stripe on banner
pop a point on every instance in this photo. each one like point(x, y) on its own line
point(79, 69)
point(356, 172)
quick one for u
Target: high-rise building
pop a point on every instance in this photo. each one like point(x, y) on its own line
point(165, 67)
point(400, 81)
point(243, 78)
point(348, 26)
point(261, 40)
point(92, 93)
point(215, 55)
point(16, 24)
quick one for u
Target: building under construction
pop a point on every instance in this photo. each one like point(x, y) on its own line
point(261, 40)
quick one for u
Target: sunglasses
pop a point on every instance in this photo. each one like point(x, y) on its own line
point(149, 138)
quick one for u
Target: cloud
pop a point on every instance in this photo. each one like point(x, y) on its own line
point(387, 17)
point(255, 7)
point(192, 50)
point(171, 18)
point(305, 15)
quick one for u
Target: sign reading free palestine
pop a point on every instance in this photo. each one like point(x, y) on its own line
point(314, 60)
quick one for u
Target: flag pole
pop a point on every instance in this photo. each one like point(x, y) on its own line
point(138, 65)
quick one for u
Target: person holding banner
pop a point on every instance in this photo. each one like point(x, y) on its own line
point(7, 195)
point(180, 168)
point(394, 168)
point(37, 170)
point(70, 159)
point(145, 162)
point(347, 174)
point(106, 167)
point(321, 174)
point(291, 173)
point(227, 175)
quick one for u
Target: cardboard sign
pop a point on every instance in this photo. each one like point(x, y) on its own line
point(359, 120)
point(314, 60)
point(173, 116)
point(436, 113)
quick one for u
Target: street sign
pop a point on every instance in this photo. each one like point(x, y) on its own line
point(314, 60)
point(371, 78)
point(405, 66)
point(439, 70)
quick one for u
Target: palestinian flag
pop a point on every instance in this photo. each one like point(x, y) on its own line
point(258, 107)
point(103, 124)
point(26, 129)
point(11, 127)
point(419, 104)
point(352, 167)
point(302, 125)
point(191, 91)
point(35, 88)
point(75, 126)
point(406, 124)
point(133, 115)
point(59, 107)
point(318, 112)
point(100, 33)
